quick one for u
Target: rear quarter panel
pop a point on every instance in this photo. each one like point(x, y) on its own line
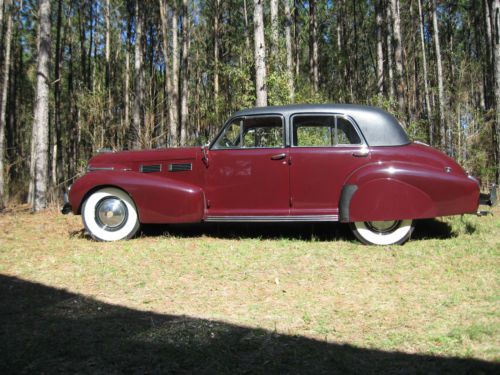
point(410, 182)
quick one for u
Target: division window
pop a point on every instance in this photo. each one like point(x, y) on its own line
point(323, 131)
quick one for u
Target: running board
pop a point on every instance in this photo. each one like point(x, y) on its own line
point(271, 219)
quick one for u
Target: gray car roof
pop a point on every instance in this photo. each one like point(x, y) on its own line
point(379, 127)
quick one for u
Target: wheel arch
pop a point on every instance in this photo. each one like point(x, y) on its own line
point(97, 188)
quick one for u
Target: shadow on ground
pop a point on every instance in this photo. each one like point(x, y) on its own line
point(47, 330)
point(424, 229)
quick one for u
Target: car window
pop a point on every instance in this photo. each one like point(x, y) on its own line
point(323, 131)
point(346, 134)
point(256, 132)
point(230, 136)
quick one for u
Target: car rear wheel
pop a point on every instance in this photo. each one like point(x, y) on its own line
point(394, 232)
point(109, 214)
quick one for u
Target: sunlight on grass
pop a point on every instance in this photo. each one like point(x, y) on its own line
point(437, 294)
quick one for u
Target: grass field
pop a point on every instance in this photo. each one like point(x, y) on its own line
point(248, 299)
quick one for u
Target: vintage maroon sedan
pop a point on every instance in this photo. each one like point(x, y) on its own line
point(302, 163)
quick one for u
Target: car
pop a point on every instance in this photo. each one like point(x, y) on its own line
point(297, 163)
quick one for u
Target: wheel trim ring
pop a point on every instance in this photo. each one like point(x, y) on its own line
point(390, 229)
point(107, 226)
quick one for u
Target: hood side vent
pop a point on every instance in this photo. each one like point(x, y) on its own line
point(150, 168)
point(180, 167)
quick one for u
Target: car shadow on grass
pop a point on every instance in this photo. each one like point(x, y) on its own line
point(321, 231)
point(424, 229)
point(48, 330)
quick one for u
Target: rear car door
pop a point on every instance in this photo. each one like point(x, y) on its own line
point(325, 149)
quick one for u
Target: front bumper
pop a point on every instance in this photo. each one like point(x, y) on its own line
point(66, 208)
point(489, 199)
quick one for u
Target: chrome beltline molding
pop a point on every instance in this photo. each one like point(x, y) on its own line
point(267, 219)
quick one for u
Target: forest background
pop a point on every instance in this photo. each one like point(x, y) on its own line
point(77, 76)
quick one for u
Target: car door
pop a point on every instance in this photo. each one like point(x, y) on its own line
point(326, 148)
point(248, 173)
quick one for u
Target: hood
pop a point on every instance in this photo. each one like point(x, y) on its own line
point(133, 159)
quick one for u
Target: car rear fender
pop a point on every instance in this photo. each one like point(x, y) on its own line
point(158, 199)
point(401, 190)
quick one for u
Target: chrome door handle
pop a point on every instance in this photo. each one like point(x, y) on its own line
point(362, 153)
point(278, 156)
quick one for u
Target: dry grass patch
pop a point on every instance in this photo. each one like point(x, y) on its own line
point(436, 295)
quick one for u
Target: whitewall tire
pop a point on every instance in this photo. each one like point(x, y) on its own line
point(109, 214)
point(394, 232)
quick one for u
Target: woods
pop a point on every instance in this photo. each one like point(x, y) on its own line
point(77, 76)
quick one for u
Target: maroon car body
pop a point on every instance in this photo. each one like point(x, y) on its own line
point(293, 163)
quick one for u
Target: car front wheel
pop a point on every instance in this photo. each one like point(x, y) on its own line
point(394, 232)
point(109, 214)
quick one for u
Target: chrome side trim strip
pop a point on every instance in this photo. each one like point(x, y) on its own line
point(91, 169)
point(268, 219)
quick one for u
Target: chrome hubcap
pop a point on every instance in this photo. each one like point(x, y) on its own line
point(111, 213)
point(383, 226)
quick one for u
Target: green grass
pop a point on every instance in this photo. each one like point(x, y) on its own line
point(437, 295)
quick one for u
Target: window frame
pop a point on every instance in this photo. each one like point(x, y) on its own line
point(242, 118)
point(336, 116)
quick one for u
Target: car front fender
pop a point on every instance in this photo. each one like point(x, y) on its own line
point(158, 199)
point(399, 190)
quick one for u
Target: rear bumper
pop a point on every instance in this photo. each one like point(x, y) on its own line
point(489, 199)
point(66, 208)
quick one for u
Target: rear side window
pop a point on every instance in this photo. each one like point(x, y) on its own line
point(323, 131)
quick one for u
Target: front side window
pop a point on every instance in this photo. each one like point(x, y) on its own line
point(323, 131)
point(252, 132)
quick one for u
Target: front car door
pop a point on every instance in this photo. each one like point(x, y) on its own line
point(248, 173)
point(326, 148)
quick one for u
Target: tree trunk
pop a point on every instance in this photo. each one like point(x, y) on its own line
point(398, 54)
point(380, 48)
point(390, 37)
point(496, 48)
point(296, 36)
point(137, 116)
point(260, 54)
point(174, 99)
point(166, 60)
point(245, 19)
point(185, 72)
point(216, 60)
point(41, 112)
point(313, 46)
point(3, 99)
point(289, 57)
point(107, 48)
point(488, 81)
point(274, 34)
point(426, 79)
point(57, 154)
point(90, 83)
point(107, 73)
point(441, 95)
point(1, 17)
point(126, 94)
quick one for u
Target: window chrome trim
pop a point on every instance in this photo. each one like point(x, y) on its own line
point(231, 120)
point(336, 115)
